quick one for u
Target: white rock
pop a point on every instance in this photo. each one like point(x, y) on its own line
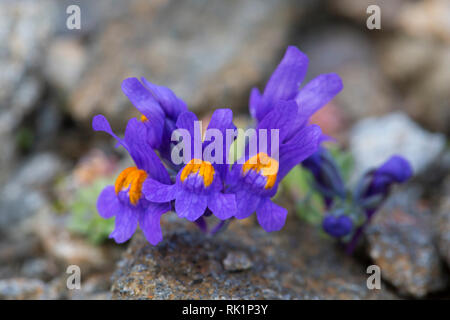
point(374, 140)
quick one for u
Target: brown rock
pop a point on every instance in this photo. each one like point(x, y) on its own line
point(400, 242)
point(426, 18)
point(350, 54)
point(442, 230)
point(295, 263)
point(428, 98)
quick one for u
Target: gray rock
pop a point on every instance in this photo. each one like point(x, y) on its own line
point(24, 36)
point(237, 261)
point(22, 196)
point(65, 62)
point(442, 229)
point(69, 249)
point(293, 264)
point(400, 242)
point(23, 289)
point(374, 140)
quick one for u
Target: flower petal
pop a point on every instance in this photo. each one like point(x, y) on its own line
point(223, 206)
point(142, 153)
point(221, 119)
point(317, 93)
point(281, 117)
point(100, 123)
point(186, 121)
point(158, 192)
point(246, 203)
point(271, 216)
point(126, 224)
point(149, 221)
point(108, 204)
point(395, 170)
point(190, 205)
point(144, 101)
point(300, 147)
point(172, 105)
point(254, 102)
point(285, 80)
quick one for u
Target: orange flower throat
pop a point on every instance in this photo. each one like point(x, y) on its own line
point(265, 165)
point(203, 168)
point(132, 179)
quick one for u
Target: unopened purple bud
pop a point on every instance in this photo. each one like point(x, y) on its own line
point(337, 226)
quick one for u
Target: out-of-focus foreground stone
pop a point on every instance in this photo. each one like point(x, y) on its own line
point(295, 263)
point(400, 242)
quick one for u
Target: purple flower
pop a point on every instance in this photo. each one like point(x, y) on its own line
point(257, 180)
point(395, 170)
point(160, 109)
point(125, 200)
point(199, 183)
point(337, 226)
point(284, 85)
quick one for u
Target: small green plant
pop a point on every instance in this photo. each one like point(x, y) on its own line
point(84, 218)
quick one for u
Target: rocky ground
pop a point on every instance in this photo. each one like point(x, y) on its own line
point(244, 262)
point(395, 100)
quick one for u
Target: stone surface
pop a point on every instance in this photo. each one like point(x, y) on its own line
point(357, 10)
point(23, 289)
point(67, 248)
point(293, 264)
point(426, 18)
point(22, 196)
point(405, 58)
point(374, 140)
point(400, 242)
point(237, 261)
point(442, 229)
point(347, 52)
point(428, 98)
point(24, 34)
point(210, 53)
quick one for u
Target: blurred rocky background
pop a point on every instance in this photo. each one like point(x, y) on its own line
point(396, 99)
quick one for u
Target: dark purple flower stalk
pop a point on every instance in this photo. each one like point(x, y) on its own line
point(395, 170)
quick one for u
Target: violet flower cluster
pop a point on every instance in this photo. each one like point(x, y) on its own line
point(349, 211)
point(202, 186)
